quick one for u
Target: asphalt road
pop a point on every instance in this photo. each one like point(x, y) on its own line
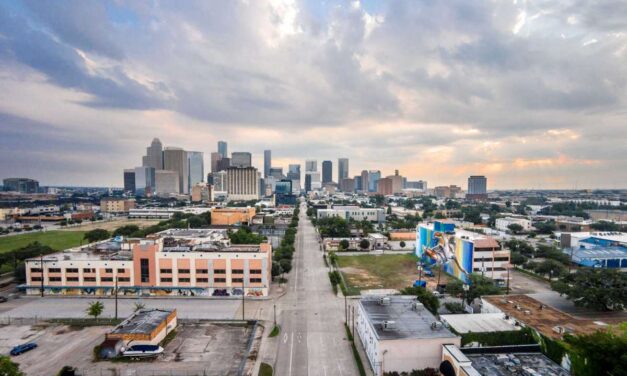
point(312, 339)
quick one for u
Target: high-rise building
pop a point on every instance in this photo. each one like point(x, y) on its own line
point(219, 181)
point(196, 168)
point(311, 165)
point(420, 184)
point(307, 182)
point(222, 149)
point(129, 180)
point(22, 185)
point(276, 172)
point(342, 169)
point(385, 186)
point(224, 163)
point(242, 183)
point(327, 172)
point(347, 185)
point(241, 159)
point(175, 159)
point(166, 182)
point(144, 181)
point(316, 180)
point(201, 192)
point(293, 174)
point(154, 155)
point(215, 158)
point(373, 177)
point(477, 185)
point(397, 182)
point(267, 162)
point(283, 186)
point(358, 184)
point(364, 181)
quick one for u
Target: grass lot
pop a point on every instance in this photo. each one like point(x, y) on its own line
point(58, 240)
point(365, 272)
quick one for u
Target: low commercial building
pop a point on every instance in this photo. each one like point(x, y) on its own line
point(606, 249)
point(480, 322)
point(399, 334)
point(353, 212)
point(145, 327)
point(164, 213)
point(504, 223)
point(116, 205)
point(232, 216)
point(172, 262)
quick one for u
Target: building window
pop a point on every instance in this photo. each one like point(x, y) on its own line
point(183, 271)
point(106, 279)
point(35, 279)
point(71, 270)
point(35, 270)
point(237, 280)
point(202, 271)
point(108, 270)
point(89, 279)
point(54, 270)
point(166, 271)
point(255, 280)
point(72, 279)
point(219, 280)
point(186, 280)
point(121, 271)
point(54, 279)
point(168, 279)
point(237, 271)
point(89, 270)
point(219, 271)
point(124, 279)
point(202, 280)
point(145, 270)
point(255, 271)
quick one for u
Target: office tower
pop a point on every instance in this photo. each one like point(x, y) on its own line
point(196, 168)
point(201, 192)
point(283, 186)
point(316, 180)
point(215, 158)
point(242, 183)
point(384, 186)
point(241, 159)
point(224, 163)
point(154, 155)
point(420, 184)
point(397, 182)
point(22, 185)
point(307, 182)
point(129, 180)
point(144, 181)
point(347, 185)
point(293, 174)
point(327, 172)
point(342, 169)
point(222, 149)
point(219, 181)
point(276, 172)
point(311, 165)
point(364, 181)
point(166, 182)
point(477, 185)
point(267, 162)
point(373, 177)
point(175, 159)
point(210, 178)
point(358, 186)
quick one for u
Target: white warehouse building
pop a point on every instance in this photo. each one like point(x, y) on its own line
point(353, 212)
point(503, 223)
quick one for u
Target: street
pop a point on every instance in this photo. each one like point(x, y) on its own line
point(312, 339)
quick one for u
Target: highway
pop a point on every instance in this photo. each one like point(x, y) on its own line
point(313, 339)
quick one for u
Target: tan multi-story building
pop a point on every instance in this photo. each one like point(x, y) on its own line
point(232, 216)
point(384, 186)
point(116, 205)
point(202, 192)
point(242, 183)
point(173, 262)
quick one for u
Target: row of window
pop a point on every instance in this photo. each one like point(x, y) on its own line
point(85, 279)
point(488, 269)
point(206, 271)
point(479, 259)
point(75, 270)
point(206, 280)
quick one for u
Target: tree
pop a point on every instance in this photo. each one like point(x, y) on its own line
point(604, 352)
point(245, 236)
point(8, 368)
point(127, 230)
point(518, 259)
point(550, 267)
point(333, 227)
point(520, 246)
point(426, 297)
point(477, 287)
point(96, 235)
point(286, 265)
point(515, 228)
point(276, 269)
point(454, 307)
point(364, 244)
point(599, 289)
point(545, 228)
point(95, 309)
point(344, 244)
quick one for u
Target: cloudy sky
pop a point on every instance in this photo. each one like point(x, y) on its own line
point(532, 94)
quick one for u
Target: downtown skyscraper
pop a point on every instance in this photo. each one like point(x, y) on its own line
point(222, 149)
point(342, 169)
point(267, 162)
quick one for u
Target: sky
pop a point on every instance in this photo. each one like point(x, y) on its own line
point(532, 94)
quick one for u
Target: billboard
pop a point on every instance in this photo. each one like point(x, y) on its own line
point(438, 246)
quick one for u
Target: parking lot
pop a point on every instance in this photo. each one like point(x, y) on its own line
point(199, 348)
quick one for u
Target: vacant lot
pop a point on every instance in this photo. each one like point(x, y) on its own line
point(112, 224)
point(200, 348)
point(365, 272)
point(58, 240)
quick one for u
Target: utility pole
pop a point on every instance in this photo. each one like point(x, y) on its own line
point(243, 302)
point(41, 266)
point(116, 299)
point(507, 280)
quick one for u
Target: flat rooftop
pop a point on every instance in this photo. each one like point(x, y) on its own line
point(144, 321)
point(409, 322)
point(515, 364)
point(479, 323)
point(200, 233)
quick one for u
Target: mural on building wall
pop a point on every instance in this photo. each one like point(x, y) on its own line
point(440, 247)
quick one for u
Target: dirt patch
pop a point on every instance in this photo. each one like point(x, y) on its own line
point(113, 224)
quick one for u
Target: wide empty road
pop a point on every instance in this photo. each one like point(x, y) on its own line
point(313, 339)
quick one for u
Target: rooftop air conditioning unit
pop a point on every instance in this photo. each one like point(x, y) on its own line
point(385, 301)
point(417, 306)
point(389, 325)
point(437, 325)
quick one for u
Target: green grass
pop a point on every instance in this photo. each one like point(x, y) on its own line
point(360, 364)
point(275, 331)
point(265, 370)
point(365, 272)
point(58, 240)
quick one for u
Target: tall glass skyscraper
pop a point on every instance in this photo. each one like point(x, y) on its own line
point(327, 172)
point(267, 162)
point(196, 168)
point(342, 169)
point(222, 149)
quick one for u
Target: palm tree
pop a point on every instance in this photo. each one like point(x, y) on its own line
point(95, 309)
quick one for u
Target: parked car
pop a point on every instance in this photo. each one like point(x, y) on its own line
point(3, 299)
point(20, 349)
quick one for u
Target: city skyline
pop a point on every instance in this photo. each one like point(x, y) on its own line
point(531, 96)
